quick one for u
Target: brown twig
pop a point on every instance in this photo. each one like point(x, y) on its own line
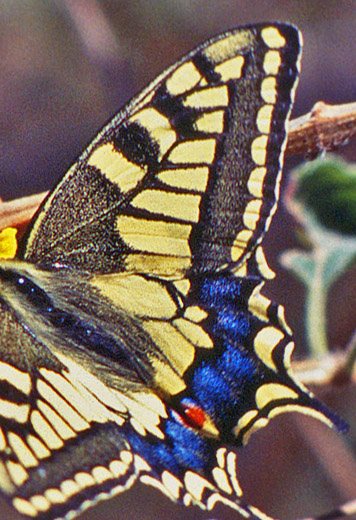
point(325, 127)
point(18, 213)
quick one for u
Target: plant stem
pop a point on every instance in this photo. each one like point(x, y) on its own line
point(316, 324)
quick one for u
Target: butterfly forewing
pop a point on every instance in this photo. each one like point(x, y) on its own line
point(185, 178)
point(135, 340)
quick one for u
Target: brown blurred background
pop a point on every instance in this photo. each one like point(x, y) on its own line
point(66, 66)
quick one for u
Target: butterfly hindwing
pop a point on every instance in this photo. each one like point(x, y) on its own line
point(59, 445)
point(135, 340)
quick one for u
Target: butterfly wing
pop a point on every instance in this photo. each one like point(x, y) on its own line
point(136, 290)
point(186, 177)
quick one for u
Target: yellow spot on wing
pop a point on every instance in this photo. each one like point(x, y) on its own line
point(126, 457)
point(270, 392)
point(194, 333)
point(101, 474)
point(208, 98)
point(288, 351)
point(116, 167)
point(54, 496)
point(166, 378)
point(227, 47)
point(17, 378)
point(244, 421)
point(165, 238)
point(17, 472)
point(71, 416)
point(221, 480)
point(231, 69)
point(263, 267)
point(158, 126)
point(264, 119)
point(178, 351)
point(273, 38)
point(24, 507)
point(84, 480)
point(252, 213)
point(7, 485)
point(259, 149)
point(220, 457)
point(137, 295)
point(232, 470)
point(69, 488)
point(172, 484)
point(259, 305)
point(198, 151)
point(144, 418)
point(269, 89)
point(196, 484)
point(195, 313)
point(183, 79)
point(22, 451)
point(13, 411)
point(265, 342)
point(176, 205)
point(39, 449)
point(117, 468)
point(211, 122)
point(61, 428)
point(40, 503)
point(282, 320)
point(151, 402)
point(45, 431)
point(241, 270)
point(183, 286)
point(255, 182)
point(186, 178)
point(240, 243)
point(272, 62)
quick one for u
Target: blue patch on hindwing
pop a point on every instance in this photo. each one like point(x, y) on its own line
point(182, 448)
point(224, 384)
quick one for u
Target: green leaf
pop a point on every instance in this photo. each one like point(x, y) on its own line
point(322, 198)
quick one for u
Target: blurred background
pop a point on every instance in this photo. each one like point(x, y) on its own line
point(66, 66)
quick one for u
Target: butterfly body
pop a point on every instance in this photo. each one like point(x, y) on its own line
point(135, 341)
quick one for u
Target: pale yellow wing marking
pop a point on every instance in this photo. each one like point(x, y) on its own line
point(211, 122)
point(116, 167)
point(225, 48)
point(137, 295)
point(152, 236)
point(264, 344)
point(273, 38)
point(231, 69)
point(185, 78)
point(272, 62)
point(182, 206)
point(197, 151)
point(190, 178)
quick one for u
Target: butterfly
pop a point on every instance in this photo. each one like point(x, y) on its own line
point(135, 341)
